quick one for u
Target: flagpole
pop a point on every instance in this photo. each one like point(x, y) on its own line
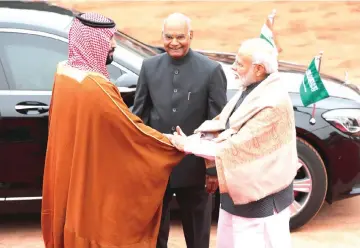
point(320, 56)
point(271, 20)
point(313, 120)
point(272, 16)
point(346, 77)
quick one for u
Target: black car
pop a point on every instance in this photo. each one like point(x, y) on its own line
point(33, 39)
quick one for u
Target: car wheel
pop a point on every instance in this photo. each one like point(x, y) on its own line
point(310, 185)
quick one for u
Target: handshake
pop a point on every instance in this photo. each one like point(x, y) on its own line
point(177, 139)
point(200, 144)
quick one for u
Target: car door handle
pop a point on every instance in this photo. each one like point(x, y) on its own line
point(31, 107)
point(26, 107)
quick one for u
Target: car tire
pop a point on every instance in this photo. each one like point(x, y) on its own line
point(315, 167)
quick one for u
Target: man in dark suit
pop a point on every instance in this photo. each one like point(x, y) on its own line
point(182, 88)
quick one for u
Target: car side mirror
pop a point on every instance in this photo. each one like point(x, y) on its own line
point(127, 80)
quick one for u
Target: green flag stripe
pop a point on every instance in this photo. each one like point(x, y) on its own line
point(263, 37)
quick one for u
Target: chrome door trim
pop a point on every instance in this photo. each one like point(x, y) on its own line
point(38, 33)
point(26, 92)
point(46, 92)
point(30, 198)
point(126, 89)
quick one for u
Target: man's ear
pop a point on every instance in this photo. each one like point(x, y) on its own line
point(260, 70)
point(191, 34)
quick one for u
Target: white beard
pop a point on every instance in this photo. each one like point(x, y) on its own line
point(245, 80)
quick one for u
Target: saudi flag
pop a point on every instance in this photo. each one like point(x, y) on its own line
point(266, 30)
point(312, 88)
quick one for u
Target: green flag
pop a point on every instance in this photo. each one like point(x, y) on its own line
point(312, 88)
point(266, 32)
point(267, 35)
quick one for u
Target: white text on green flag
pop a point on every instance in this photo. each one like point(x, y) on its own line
point(312, 88)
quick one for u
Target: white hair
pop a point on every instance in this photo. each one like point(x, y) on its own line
point(179, 16)
point(261, 52)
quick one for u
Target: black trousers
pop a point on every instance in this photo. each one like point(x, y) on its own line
point(196, 207)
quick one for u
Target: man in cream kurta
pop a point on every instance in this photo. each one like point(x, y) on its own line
point(252, 143)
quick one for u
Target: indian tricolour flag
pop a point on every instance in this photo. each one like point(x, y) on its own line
point(266, 30)
point(312, 88)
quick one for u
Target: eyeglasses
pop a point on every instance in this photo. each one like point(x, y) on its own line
point(179, 37)
point(237, 64)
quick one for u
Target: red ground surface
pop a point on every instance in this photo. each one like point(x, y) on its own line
point(336, 226)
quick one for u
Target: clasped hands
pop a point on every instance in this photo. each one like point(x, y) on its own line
point(178, 139)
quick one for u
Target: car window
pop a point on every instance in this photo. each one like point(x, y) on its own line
point(30, 61)
point(3, 83)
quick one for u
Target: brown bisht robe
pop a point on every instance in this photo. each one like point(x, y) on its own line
point(105, 172)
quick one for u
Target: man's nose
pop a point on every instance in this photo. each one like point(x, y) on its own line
point(233, 67)
point(174, 41)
